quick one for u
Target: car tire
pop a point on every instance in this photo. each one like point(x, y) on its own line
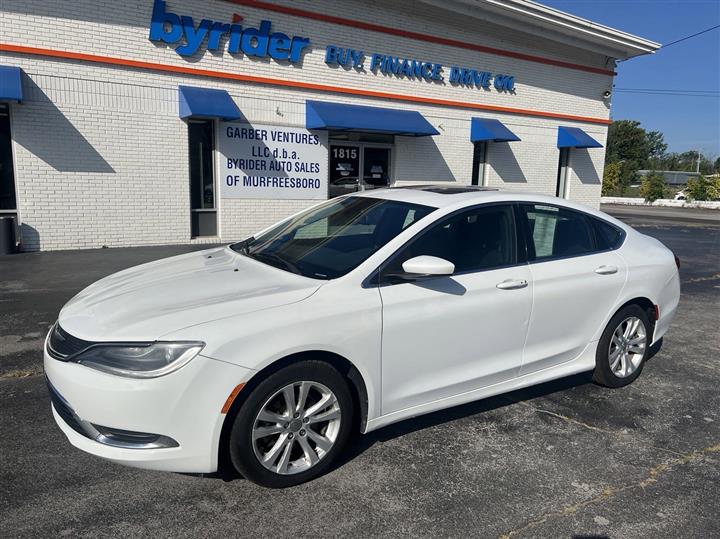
point(623, 347)
point(275, 449)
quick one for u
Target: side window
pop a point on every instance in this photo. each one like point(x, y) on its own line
point(473, 240)
point(607, 236)
point(557, 233)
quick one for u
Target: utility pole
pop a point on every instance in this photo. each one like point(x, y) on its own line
point(697, 167)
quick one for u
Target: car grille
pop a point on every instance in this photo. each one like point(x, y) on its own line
point(63, 409)
point(62, 345)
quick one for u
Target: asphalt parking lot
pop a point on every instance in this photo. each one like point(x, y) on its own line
point(563, 459)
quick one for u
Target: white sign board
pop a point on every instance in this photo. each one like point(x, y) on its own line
point(269, 161)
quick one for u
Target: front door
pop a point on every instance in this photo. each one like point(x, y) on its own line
point(448, 335)
point(356, 166)
point(344, 169)
point(376, 167)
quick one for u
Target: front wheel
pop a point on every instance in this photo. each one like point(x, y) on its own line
point(623, 347)
point(292, 426)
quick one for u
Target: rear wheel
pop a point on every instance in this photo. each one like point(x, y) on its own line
point(292, 426)
point(623, 347)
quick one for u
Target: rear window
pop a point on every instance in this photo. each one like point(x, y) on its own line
point(607, 236)
point(557, 232)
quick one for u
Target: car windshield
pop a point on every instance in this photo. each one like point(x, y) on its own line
point(332, 239)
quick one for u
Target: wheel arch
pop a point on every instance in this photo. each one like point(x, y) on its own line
point(645, 303)
point(356, 383)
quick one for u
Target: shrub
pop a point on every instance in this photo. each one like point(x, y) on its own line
point(703, 188)
point(611, 179)
point(653, 187)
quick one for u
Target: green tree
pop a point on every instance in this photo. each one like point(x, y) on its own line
point(653, 187)
point(716, 166)
point(657, 147)
point(611, 179)
point(629, 145)
point(627, 141)
point(686, 161)
point(703, 188)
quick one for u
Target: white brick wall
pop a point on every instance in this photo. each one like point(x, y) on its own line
point(101, 155)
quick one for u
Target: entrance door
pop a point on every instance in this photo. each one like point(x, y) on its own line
point(355, 166)
point(344, 169)
point(376, 167)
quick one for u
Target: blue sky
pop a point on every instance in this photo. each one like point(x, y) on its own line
point(687, 122)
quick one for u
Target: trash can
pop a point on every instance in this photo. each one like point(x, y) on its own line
point(7, 235)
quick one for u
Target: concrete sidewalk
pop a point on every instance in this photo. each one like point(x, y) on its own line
point(658, 212)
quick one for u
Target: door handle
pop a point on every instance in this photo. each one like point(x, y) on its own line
point(511, 284)
point(606, 270)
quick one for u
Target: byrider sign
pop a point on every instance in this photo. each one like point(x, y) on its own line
point(166, 27)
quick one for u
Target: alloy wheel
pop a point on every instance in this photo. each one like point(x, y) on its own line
point(627, 347)
point(296, 427)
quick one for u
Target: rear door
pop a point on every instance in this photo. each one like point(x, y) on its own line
point(577, 278)
point(452, 334)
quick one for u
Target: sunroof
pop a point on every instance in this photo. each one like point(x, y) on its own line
point(449, 189)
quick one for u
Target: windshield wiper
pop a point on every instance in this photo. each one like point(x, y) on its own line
point(243, 245)
point(274, 260)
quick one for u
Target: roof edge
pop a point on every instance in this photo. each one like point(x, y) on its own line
point(622, 44)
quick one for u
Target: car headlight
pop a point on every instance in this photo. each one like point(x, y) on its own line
point(141, 360)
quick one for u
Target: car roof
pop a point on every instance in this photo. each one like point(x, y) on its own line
point(458, 196)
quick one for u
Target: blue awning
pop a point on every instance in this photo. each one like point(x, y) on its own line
point(11, 84)
point(323, 115)
point(488, 129)
point(574, 137)
point(207, 103)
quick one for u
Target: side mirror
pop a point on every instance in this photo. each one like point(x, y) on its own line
point(426, 266)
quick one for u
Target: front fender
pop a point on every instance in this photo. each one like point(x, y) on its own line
point(332, 320)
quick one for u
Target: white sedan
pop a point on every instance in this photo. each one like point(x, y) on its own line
point(356, 313)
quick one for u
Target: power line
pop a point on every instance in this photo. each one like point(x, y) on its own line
point(677, 94)
point(688, 37)
point(667, 90)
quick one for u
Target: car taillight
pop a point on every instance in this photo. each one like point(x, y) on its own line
point(677, 261)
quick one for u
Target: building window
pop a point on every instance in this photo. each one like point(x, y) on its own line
point(203, 211)
point(479, 162)
point(563, 175)
point(8, 201)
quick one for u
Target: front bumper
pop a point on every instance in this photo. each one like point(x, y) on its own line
point(183, 407)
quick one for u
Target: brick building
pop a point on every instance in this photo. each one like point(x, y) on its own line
point(150, 122)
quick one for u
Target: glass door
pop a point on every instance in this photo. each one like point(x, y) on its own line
point(376, 167)
point(355, 166)
point(344, 169)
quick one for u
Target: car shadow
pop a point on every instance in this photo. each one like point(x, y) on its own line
point(364, 442)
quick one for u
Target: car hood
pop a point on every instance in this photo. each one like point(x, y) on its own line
point(145, 302)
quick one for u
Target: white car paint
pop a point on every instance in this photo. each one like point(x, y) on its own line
point(418, 347)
